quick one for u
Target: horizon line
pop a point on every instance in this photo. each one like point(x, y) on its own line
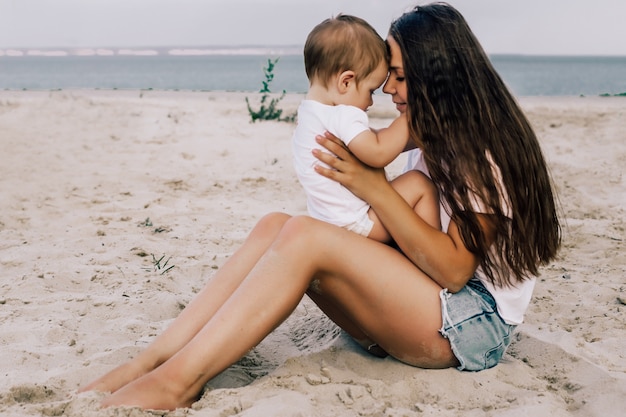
point(198, 50)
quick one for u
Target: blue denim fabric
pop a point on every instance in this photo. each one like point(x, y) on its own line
point(471, 323)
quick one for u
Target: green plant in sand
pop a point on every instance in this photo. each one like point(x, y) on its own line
point(159, 266)
point(269, 109)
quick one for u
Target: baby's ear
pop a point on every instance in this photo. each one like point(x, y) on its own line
point(345, 80)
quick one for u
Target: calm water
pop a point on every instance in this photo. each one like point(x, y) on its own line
point(525, 75)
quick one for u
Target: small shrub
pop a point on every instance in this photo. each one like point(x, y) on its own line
point(268, 109)
point(157, 266)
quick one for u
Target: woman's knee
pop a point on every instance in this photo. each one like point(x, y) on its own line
point(272, 221)
point(413, 185)
point(280, 227)
point(300, 227)
point(304, 233)
point(418, 178)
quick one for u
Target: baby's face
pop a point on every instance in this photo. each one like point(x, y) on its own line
point(361, 97)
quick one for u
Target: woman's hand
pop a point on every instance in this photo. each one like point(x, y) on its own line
point(346, 169)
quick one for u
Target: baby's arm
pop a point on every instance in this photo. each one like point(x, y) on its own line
point(378, 149)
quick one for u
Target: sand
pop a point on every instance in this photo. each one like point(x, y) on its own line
point(101, 193)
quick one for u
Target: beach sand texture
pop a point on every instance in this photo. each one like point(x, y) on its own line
point(94, 184)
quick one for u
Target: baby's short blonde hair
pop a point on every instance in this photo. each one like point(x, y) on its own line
point(340, 44)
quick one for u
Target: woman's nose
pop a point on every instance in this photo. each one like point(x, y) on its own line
point(388, 87)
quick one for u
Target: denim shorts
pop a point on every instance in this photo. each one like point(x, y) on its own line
point(477, 333)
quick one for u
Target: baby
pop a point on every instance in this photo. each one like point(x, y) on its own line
point(346, 61)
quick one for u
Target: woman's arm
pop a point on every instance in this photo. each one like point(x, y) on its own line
point(442, 256)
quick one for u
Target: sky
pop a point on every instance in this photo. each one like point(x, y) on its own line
point(543, 27)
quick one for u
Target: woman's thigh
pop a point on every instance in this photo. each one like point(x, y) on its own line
point(386, 296)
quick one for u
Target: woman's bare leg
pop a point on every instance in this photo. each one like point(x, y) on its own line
point(420, 193)
point(374, 278)
point(199, 311)
point(409, 332)
point(334, 312)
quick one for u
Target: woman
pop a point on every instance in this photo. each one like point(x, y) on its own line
point(445, 298)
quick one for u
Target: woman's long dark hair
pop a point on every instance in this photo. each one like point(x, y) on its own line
point(466, 121)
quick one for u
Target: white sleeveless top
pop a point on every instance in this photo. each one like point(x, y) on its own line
point(512, 302)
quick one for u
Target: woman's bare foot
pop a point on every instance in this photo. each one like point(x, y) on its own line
point(150, 392)
point(116, 379)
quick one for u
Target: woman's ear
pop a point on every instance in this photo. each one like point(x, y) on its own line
point(345, 80)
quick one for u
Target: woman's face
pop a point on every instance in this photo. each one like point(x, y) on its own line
point(396, 85)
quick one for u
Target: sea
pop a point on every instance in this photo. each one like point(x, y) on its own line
point(242, 69)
